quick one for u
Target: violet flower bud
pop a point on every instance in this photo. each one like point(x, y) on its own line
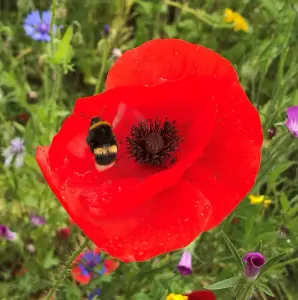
point(254, 262)
point(184, 266)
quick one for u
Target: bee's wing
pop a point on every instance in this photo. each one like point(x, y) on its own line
point(122, 109)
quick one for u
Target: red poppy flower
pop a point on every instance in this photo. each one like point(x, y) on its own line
point(201, 295)
point(199, 147)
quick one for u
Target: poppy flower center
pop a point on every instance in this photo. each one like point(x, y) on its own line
point(153, 141)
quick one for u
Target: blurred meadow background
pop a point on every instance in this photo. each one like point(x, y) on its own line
point(39, 83)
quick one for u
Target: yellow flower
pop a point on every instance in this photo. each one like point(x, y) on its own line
point(259, 199)
point(233, 17)
point(176, 297)
point(229, 15)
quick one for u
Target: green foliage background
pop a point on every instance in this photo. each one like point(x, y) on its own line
point(75, 65)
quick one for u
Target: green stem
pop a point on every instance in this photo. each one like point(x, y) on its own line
point(199, 13)
point(53, 12)
point(65, 269)
point(102, 66)
point(246, 293)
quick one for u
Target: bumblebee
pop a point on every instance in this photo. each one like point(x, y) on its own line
point(102, 141)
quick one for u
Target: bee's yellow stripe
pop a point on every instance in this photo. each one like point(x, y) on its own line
point(105, 150)
point(99, 123)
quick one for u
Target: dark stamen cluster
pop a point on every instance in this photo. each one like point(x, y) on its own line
point(153, 141)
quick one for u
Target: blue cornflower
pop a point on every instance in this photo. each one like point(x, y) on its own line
point(38, 27)
point(94, 293)
point(86, 266)
point(16, 149)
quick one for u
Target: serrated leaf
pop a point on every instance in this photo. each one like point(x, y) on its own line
point(233, 250)
point(270, 263)
point(63, 53)
point(262, 287)
point(227, 283)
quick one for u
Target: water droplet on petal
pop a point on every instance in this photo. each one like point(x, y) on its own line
point(140, 253)
point(72, 190)
point(186, 220)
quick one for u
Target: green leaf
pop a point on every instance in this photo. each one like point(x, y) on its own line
point(270, 263)
point(259, 247)
point(233, 250)
point(63, 53)
point(50, 261)
point(262, 287)
point(227, 283)
point(284, 202)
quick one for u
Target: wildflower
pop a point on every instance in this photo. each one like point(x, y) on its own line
point(254, 262)
point(283, 231)
point(86, 266)
point(201, 295)
point(116, 53)
point(271, 132)
point(110, 265)
point(7, 234)
point(259, 199)
point(23, 118)
point(176, 297)
point(106, 30)
point(184, 266)
point(94, 293)
point(32, 97)
point(38, 27)
point(195, 295)
point(128, 202)
point(16, 149)
point(31, 248)
point(63, 233)
point(234, 17)
point(37, 220)
point(292, 120)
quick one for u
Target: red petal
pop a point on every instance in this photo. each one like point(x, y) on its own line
point(77, 275)
point(160, 60)
point(228, 169)
point(148, 230)
point(111, 265)
point(201, 295)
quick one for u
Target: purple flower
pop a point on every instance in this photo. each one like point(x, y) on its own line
point(94, 293)
point(37, 220)
point(184, 266)
point(106, 30)
point(7, 234)
point(16, 149)
point(254, 262)
point(292, 120)
point(38, 27)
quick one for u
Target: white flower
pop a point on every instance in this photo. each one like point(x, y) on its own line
point(16, 149)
